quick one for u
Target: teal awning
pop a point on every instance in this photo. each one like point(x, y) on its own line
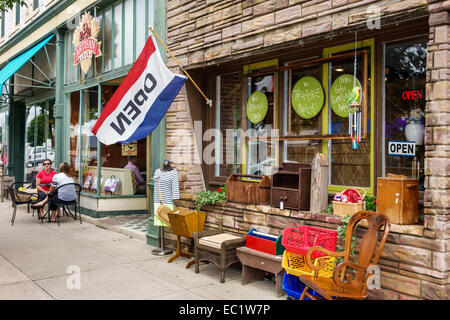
point(14, 65)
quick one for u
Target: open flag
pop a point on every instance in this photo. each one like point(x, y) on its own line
point(141, 101)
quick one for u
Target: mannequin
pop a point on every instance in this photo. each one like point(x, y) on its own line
point(166, 188)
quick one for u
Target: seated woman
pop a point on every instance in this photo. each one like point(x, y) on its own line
point(65, 193)
point(44, 178)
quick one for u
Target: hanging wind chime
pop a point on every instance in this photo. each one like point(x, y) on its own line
point(354, 116)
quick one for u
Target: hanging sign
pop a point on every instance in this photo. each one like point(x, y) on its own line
point(307, 97)
point(129, 149)
point(85, 42)
point(257, 107)
point(340, 90)
point(402, 148)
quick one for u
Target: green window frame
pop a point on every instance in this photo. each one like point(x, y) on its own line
point(3, 25)
point(370, 43)
point(17, 14)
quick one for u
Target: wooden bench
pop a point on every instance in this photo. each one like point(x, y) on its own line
point(255, 263)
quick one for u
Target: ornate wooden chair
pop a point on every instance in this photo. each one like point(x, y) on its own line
point(349, 279)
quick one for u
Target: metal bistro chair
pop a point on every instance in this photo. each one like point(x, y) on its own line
point(65, 205)
point(17, 197)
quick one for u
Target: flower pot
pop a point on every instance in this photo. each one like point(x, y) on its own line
point(414, 132)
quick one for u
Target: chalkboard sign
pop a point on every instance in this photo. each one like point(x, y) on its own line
point(257, 107)
point(339, 93)
point(307, 97)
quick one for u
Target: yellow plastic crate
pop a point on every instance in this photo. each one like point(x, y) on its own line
point(295, 264)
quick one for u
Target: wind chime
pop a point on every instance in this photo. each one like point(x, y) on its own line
point(354, 116)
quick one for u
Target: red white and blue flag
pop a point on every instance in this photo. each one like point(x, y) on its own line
point(141, 101)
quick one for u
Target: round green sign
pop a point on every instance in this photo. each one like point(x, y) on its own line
point(257, 107)
point(307, 97)
point(340, 92)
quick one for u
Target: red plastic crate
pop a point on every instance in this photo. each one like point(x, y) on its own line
point(300, 239)
point(259, 244)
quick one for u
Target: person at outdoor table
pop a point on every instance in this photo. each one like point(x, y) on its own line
point(44, 178)
point(140, 182)
point(65, 193)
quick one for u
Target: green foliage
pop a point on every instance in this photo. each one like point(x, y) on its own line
point(210, 197)
point(9, 4)
point(371, 203)
point(38, 121)
point(330, 208)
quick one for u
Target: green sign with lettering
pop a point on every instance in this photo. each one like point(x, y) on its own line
point(340, 91)
point(307, 97)
point(257, 107)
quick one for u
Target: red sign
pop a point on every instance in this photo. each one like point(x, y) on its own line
point(86, 49)
point(412, 94)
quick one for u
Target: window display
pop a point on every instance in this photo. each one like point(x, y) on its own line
point(113, 161)
point(404, 107)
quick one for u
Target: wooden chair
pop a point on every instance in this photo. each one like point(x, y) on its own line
point(349, 279)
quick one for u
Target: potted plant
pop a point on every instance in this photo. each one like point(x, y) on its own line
point(212, 198)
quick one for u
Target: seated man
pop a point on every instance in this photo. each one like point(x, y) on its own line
point(140, 182)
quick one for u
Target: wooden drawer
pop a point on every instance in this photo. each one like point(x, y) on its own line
point(288, 196)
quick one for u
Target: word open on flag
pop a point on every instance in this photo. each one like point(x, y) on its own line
point(141, 101)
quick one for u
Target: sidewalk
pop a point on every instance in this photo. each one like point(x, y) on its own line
point(42, 261)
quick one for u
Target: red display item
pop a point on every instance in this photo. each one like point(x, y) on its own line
point(353, 195)
point(300, 239)
point(260, 244)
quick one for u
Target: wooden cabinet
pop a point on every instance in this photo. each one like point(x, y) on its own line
point(291, 185)
point(398, 198)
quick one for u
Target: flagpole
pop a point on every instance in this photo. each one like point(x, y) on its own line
point(208, 101)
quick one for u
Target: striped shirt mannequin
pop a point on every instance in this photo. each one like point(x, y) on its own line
point(169, 186)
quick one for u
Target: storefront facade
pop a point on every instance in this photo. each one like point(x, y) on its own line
point(57, 116)
point(399, 53)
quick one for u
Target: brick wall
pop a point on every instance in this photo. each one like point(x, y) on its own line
point(437, 146)
point(415, 263)
point(206, 31)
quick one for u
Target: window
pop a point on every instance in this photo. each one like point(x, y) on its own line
point(117, 49)
point(3, 24)
point(298, 124)
point(348, 166)
point(404, 106)
point(228, 121)
point(261, 111)
point(17, 14)
point(89, 157)
point(128, 30)
point(35, 4)
point(40, 135)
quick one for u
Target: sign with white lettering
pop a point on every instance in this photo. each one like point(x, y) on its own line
point(141, 101)
point(402, 148)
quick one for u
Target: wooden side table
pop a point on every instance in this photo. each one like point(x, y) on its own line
point(255, 263)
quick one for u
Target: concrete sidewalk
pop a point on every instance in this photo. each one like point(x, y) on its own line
point(41, 260)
